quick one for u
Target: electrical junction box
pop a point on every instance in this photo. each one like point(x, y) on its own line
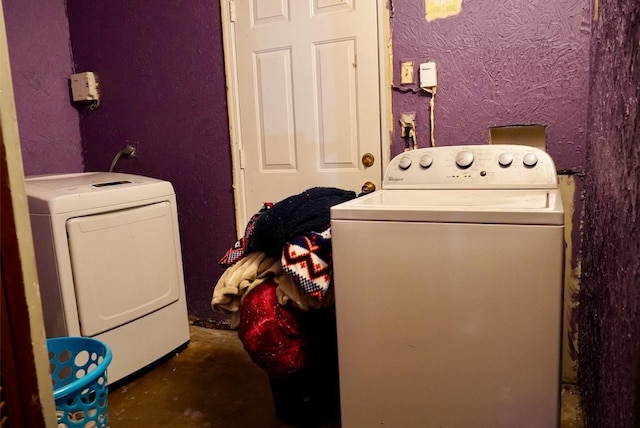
point(85, 87)
point(428, 75)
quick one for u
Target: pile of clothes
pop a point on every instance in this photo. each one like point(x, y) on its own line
point(277, 274)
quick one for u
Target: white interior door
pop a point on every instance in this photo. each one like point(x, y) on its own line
point(308, 97)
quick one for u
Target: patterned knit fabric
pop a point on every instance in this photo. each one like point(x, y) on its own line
point(296, 215)
point(308, 259)
point(242, 246)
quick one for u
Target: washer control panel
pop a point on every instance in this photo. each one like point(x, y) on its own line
point(472, 167)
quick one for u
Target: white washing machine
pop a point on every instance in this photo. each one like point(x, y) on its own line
point(109, 263)
point(448, 286)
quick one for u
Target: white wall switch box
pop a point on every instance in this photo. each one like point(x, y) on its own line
point(85, 87)
point(428, 75)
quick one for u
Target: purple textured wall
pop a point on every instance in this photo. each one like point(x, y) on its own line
point(513, 62)
point(38, 38)
point(161, 71)
point(609, 369)
point(162, 76)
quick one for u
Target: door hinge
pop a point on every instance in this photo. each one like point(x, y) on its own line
point(241, 158)
point(232, 10)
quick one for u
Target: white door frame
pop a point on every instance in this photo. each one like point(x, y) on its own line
point(385, 66)
point(19, 273)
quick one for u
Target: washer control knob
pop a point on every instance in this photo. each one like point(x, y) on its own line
point(426, 161)
point(464, 159)
point(505, 159)
point(530, 160)
point(405, 162)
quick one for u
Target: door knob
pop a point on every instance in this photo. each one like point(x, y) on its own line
point(368, 187)
point(368, 160)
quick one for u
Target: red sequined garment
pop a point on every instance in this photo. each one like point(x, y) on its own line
point(270, 332)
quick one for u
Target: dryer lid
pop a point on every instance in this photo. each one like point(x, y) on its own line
point(61, 193)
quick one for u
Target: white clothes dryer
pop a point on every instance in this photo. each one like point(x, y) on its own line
point(109, 263)
point(448, 287)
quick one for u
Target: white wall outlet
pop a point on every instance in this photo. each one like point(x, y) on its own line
point(85, 87)
point(406, 73)
point(428, 75)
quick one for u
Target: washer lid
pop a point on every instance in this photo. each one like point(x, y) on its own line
point(527, 206)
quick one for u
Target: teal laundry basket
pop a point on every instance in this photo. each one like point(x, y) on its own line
point(78, 368)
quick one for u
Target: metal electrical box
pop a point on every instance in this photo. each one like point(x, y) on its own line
point(85, 87)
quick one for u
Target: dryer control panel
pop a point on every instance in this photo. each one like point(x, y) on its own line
point(472, 167)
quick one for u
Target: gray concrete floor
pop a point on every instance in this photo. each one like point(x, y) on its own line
point(214, 383)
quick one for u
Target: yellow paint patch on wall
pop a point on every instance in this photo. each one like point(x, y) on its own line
point(386, 151)
point(567, 186)
point(436, 9)
point(527, 135)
